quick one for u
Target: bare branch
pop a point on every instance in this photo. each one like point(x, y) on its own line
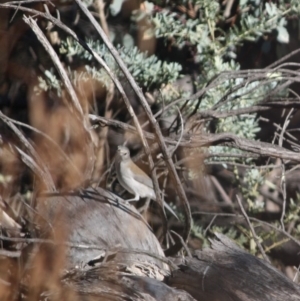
point(227, 139)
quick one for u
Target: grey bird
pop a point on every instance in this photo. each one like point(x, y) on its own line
point(133, 179)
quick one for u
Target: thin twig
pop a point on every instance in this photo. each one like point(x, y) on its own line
point(227, 9)
point(188, 252)
point(296, 274)
point(283, 176)
point(181, 133)
point(100, 7)
point(221, 190)
point(256, 239)
point(286, 57)
point(210, 224)
point(283, 188)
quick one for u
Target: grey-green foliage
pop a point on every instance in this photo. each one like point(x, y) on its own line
point(252, 180)
point(212, 42)
point(256, 18)
point(262, 18)
point(167, 25)
point(216, 53)
point(249, 93)
point(49, 81)
point(204, 234)
point(293, 215)
point(149, 71)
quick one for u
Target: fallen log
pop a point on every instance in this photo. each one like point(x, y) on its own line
point(94, 224)
point(227, 273)
point(110, 253)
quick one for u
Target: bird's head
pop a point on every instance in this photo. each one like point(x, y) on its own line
point(123, 152)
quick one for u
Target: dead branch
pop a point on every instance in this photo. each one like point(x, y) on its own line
point(153, 121)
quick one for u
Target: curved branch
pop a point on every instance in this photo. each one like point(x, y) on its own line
point(169, 162)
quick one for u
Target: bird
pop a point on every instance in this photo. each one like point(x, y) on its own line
point(134, 179)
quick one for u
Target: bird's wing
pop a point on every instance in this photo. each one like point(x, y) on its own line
point(143, 178)
point(140, 176)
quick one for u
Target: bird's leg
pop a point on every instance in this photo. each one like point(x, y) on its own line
point(146, 206)
point(136, 198)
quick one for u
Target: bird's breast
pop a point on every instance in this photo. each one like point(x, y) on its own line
point(125, 177)
point(133, 186)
